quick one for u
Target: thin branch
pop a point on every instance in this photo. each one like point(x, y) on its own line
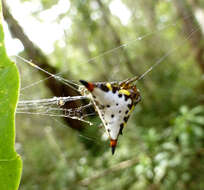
point(183, 10)
point(115, 168)
point(106, 16)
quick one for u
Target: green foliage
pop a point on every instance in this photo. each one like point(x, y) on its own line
point(10, 162)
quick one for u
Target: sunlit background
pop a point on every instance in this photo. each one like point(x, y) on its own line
point(46, 29)
point(111, 40)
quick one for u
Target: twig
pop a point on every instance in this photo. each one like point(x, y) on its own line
point(115, 168)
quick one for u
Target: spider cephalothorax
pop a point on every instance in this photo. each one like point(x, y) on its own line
point(114, 103)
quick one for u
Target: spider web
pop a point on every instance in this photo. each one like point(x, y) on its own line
point(53, 107)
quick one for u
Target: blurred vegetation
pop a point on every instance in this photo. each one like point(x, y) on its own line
point(162, 146)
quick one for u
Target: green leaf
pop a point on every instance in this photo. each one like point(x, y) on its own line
point(10, 161)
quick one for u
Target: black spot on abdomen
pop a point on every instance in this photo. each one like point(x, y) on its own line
point(114, 89)
point(129, 106)
point(126, 119)
point(104, 88)
point(126, 97)
point(121, 128)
